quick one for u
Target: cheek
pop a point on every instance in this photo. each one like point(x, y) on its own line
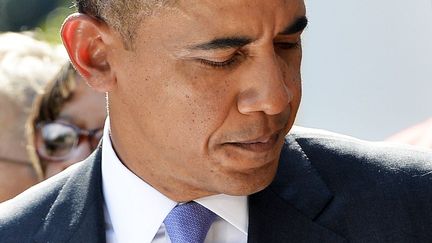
point(294, 83)
point(202, 106)
point(53, 168)
point(291, 73)
point(210, 97)
point(180, 102)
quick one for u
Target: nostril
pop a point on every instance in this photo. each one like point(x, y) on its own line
point(247, 101)
point(268, 87)
point(270, 101)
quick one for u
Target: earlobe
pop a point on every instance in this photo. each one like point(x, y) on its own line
point(85, 39)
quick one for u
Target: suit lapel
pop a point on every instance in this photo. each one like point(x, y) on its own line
point(271, 219)
point(77, 213)
point(285, 211)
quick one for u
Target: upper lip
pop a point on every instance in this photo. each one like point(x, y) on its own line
point(262, 139)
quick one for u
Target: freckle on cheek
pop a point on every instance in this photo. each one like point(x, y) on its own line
point(228, 154)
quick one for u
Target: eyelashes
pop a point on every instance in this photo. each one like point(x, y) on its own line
point(232, 61)
point(224, 64)
point(288, 45)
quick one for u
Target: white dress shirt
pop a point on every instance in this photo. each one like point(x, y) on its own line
point(135, 211)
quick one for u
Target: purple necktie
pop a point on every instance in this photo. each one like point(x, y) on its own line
point(189, 223)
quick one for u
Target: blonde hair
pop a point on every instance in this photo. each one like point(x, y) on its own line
point(47, 107)
point(26, 64)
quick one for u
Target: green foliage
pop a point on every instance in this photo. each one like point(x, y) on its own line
point(49, 28)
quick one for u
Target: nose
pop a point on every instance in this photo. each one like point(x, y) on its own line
point(264, 87)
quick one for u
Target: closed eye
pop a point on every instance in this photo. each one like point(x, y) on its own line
point(287, 45)
point(223, 64)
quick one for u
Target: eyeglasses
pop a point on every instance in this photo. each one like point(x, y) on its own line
point(11, 160)
point(57, 140)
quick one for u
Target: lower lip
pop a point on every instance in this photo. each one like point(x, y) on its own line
point(258, 147)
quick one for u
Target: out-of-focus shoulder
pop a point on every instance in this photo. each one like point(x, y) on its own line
point(30, 208)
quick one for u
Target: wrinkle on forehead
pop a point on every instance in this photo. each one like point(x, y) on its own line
point(231, 16)
point(190, 22)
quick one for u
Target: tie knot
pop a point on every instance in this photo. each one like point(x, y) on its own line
point(189, 223)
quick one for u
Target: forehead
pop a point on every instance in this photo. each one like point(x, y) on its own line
point(253, 7)
point(208, 18)
point(85, 108)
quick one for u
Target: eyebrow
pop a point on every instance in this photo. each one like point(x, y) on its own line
point(222, 43)
point(298, 26)
point(237, 42)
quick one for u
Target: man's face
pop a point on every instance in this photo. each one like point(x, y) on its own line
point(203, 101)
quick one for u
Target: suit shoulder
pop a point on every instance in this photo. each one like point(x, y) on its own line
point(336, 155)
point(388, 155)
point(371, 186)
point(27, 211)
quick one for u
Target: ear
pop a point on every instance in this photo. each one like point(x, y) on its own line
point(87, 42)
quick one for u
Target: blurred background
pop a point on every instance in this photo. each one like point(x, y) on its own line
point(367, 69)
point(43, 16)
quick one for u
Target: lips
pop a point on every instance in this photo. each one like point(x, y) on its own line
point(262, 144)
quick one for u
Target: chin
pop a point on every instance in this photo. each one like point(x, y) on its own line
point(247, 189)
point(241, 184)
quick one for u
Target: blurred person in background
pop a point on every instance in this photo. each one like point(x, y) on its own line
point(66, 123)
point(26, 65)
point(417, 135)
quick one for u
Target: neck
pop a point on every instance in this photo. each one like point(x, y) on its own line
point(173, 188)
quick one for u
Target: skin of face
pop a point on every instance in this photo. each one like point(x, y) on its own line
point(85, 110)
point(16, 171)
point(201, 104)
point(15, 177)
point(12, 135)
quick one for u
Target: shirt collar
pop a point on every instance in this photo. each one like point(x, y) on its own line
point(137, 210)
point(233, 209)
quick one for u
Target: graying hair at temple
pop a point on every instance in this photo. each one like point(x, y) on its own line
point(122, 15)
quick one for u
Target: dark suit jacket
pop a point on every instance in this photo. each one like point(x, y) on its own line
point(328, 189)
